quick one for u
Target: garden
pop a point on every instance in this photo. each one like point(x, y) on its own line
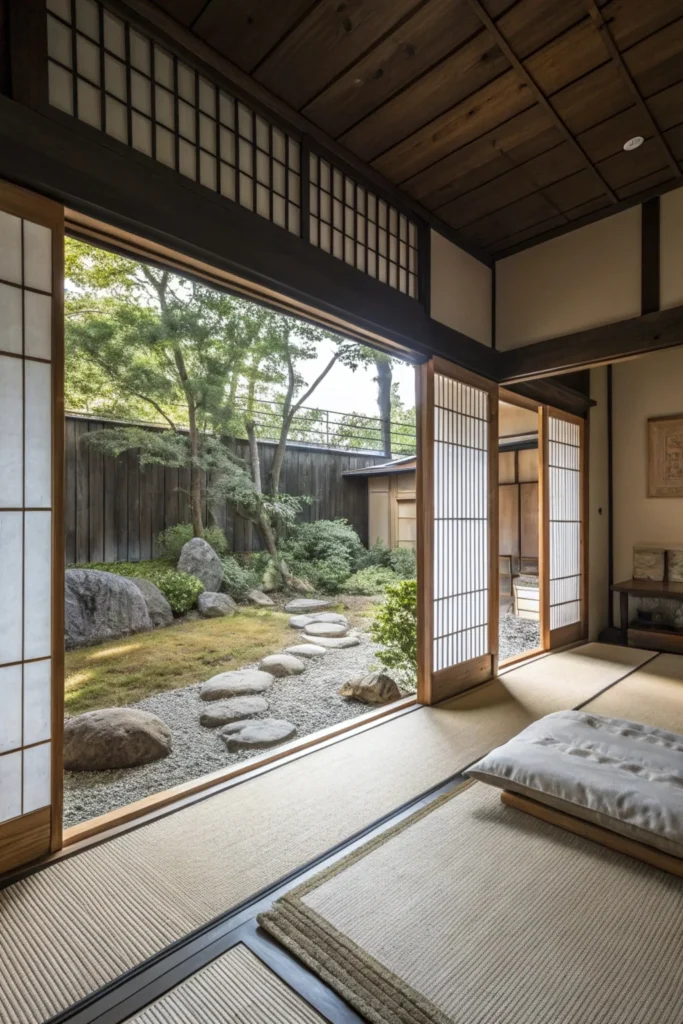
point(212, 676)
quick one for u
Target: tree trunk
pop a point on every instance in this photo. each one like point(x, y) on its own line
point(196, 484)
point(254, 457)
point(383, 379)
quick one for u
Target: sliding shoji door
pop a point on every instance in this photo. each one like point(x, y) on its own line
point(457, 530)
point(31, 568)
point(563, 528)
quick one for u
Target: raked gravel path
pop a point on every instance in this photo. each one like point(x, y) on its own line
point(310, 701)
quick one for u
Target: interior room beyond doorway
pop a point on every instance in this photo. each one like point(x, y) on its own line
point(519, 586)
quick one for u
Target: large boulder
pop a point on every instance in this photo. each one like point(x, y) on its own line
point(256, 733)
point(160, 611)
point(240, 683)
point(375, 688)
point(101, 606)
point(282, 665)
point(306, 605)
point(98, 741)
point(198, 558)
point(215, 606)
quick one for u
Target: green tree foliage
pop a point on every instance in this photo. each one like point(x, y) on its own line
point(395, 628)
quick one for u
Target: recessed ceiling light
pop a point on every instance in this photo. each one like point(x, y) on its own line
point(633, 143)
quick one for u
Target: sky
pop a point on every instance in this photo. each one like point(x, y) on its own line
point(344, 390)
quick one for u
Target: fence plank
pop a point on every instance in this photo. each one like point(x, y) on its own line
point(115, 508)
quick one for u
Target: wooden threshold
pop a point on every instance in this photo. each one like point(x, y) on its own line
point(515, 660)
point(596, 833)
point(209, 785)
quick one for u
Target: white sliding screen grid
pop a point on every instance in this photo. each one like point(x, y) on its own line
point(118, 80)
point(353, 224)
point(461, 523)
point(564, 493)
point(25, 515)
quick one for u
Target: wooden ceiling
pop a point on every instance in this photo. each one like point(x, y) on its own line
point(506, 118)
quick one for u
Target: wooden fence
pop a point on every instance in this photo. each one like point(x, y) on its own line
point(115, 508)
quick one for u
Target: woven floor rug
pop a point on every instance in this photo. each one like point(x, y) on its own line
point(471, 912)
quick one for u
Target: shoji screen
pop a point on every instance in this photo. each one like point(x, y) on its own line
point(457, 526)
point(564, 562)
point(31, 637)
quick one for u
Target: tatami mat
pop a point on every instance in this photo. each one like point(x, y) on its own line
point(568, 679)
point(491, 915)
point(71, 928)
point(237, 988)
point(653, 696)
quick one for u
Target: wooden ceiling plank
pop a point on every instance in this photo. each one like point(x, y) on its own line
point(655, 62)
point(245, 31)
point(537, 92)
point(574, 190)
point(642, 184)
point(451, 82)
point(522, 137)
point(327, 41)
point(528, 22)
point(625, 167)
point(615, 54)
point(667, 106)
point(184, 11)
point(547, 169)
point(496, 102)
point(433, 33)
point(523, 213)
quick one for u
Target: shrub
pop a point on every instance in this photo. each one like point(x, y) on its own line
point(328, 576)
point(403, 562)
point(378, 554)
point(238, 580)
point(372, 580)
point(180, 589)
point(321, 541)
point(395, 628)
point(172, 540)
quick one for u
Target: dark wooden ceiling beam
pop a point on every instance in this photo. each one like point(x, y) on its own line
point(598, 345)
point(616, 55)
point(538, 93)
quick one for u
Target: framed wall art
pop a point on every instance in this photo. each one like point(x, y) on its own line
point(665, 457)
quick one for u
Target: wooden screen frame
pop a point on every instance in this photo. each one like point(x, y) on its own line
point(33, 835)
point(575, 632)
point(434, 686)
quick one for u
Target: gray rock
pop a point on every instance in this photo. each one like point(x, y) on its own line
point(258, 733)
point(375, 688)
point(306, 604)
point(215, 606)
point(114, 738)
point(241, 683)
point(282, 665)
point(233, 710)
point(306, 650)
point(334, 629)
point(261, 599)
point(299, 621)
point(199, 559)
point(337, 642)
point(101, 606)
point(159, 609)
point(340, 620)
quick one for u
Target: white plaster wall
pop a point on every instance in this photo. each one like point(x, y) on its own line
point(460, 290)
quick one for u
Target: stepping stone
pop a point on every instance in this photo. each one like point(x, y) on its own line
point(306, 650)
point(299, 621)
point(328, 629)
point(256, 733)
point(306, 604)
point(233, 710)
point(282, 665)
point(337, 642)
point(261, 599)
point(241, 683)
point(215, 606)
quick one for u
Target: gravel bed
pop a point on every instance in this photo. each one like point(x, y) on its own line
point(310, 701)
point(517, 636)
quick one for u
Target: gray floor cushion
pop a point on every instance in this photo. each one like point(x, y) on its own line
point(622, 775)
